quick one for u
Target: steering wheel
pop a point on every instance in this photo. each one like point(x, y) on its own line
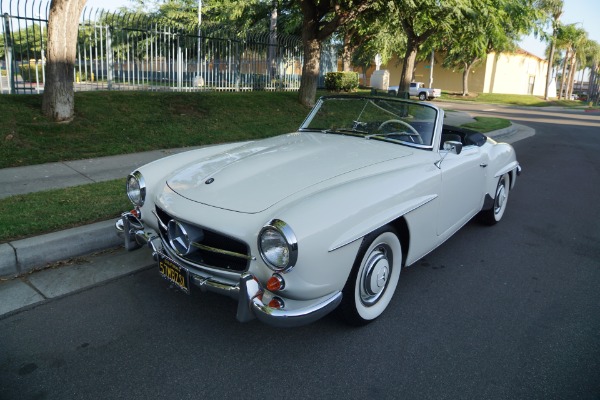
point(413, 132)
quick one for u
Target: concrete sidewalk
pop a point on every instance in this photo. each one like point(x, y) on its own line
point(34, 269)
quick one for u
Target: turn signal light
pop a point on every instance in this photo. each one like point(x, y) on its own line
point(276, 302)
point(275, 283)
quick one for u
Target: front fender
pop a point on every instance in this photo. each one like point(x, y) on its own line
point(502, 160)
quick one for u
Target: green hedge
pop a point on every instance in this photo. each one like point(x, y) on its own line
point(28, 73)
point(338, 81)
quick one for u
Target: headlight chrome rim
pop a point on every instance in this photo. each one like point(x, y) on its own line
point(136, 195)
point(279, 227)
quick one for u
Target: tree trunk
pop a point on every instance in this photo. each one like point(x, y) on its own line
point(347, 54)
point(273, 41)
point(408, 66)
point(310, 72)
point(465, 77)
point(593, 91)
point(63, 26)
point(550, 62)
point(571, 80)
point(562, 78)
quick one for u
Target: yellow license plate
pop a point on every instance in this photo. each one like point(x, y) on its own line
point(174, 273)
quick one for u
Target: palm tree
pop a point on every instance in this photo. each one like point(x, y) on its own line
point(564, 41)
point(579, 45)
point(593, 62)
point(555, 10)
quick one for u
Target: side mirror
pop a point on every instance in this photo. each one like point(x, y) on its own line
point(452, 146)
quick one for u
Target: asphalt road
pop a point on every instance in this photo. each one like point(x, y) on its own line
point(504, 312)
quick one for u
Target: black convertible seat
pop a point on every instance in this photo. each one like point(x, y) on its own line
point(467, 137)
point(450, 137)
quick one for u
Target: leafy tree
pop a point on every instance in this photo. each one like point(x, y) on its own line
point(420, 20)
point(494, 26)
point(593, 62)
point(580, 48)
point(27, 43)
point(568, 37)
point(370, 34)
point(321, 18)
point(238, 15)
point(553, 9)
point(63, 21)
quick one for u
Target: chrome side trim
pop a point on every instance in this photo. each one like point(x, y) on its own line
point(510, 167)
point(361, 231)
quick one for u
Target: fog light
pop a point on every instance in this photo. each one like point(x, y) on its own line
point(275, 283)
point(277, 303)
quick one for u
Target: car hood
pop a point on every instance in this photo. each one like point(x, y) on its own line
point(255, 176)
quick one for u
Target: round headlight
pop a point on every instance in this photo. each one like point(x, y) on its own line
point(278, 246)
point(136, 188)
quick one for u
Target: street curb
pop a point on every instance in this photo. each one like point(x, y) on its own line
point(500, 133)
point(23, 256)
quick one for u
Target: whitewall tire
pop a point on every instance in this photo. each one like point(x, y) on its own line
point(374, 277)
point(494, 214)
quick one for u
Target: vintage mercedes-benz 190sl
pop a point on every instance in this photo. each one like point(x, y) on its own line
point(326, 217)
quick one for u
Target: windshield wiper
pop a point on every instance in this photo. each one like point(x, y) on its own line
point(351, 131)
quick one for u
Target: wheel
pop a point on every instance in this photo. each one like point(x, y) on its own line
point(413, 131)
point(494, 214)
point(374, 277)
point(422, 96)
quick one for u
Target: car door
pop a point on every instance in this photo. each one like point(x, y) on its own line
point(462, 188)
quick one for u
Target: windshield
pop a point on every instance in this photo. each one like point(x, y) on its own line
point(376, 118)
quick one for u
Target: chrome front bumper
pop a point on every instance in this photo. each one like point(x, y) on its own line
point(249, 292)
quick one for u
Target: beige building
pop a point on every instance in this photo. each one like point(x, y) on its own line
point(507, 73)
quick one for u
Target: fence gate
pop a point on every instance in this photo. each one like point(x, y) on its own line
point(125, 51)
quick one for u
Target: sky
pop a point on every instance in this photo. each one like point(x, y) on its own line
point(586, 13)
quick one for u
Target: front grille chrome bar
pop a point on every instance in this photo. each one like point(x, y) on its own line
point(221, 251)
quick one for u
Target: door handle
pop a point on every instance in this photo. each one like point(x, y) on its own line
point(483, 165)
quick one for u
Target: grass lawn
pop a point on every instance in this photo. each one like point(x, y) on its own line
point(110, 123)
point(488, 124)
point(513, 99)
point(36, 213)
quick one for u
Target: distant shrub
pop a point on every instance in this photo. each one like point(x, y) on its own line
point(341, 81)
point(84, 76)
point(28, 73)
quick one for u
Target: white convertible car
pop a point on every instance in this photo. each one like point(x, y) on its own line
point(300, 224)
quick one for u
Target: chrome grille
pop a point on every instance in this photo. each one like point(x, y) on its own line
point(215, 250)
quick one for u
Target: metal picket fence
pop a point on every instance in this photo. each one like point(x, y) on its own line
point(125, 51)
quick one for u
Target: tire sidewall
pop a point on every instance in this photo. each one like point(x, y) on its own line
point(353, 308)
point(503, 181)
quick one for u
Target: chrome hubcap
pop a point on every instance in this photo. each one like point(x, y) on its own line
point(500, 198)
point(375, 276)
